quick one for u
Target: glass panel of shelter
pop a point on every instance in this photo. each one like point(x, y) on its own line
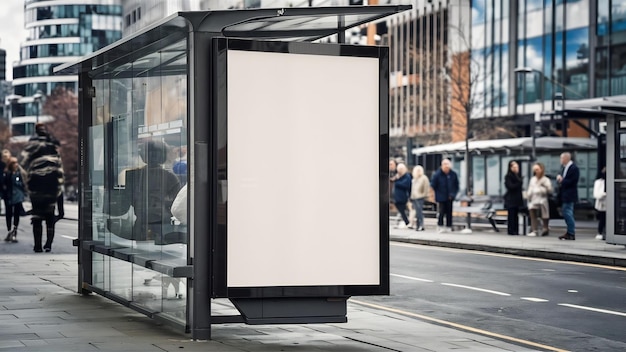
point(141, 130)
point(620, 182)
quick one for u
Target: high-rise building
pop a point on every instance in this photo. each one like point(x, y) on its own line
point(141, 13)
point(58, 32)
point(510, 66)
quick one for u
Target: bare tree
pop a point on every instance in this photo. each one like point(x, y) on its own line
point(471, 84)
point(5, 133)
point(62, 105)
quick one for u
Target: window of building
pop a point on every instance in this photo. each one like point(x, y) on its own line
point(478, 12)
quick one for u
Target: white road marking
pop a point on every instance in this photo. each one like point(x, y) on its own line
point(411, 278)
point(70, 237)
point(477, 289)
point(572, 291)
point(593, 309)
point(534, 299)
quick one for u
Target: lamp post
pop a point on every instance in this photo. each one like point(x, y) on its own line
point(37, 98)
point(557, 95)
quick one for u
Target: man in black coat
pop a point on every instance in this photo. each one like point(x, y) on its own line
point(513, 199)
point(568, 192)
point(445, 184)
point(44, 171)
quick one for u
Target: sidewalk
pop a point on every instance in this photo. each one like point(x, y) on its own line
point(41, 311)
point(584, 249)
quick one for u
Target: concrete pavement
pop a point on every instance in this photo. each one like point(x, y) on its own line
point(41, 311)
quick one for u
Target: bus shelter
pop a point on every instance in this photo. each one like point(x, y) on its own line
point(217, 158)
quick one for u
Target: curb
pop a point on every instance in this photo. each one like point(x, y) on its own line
point(534, 253)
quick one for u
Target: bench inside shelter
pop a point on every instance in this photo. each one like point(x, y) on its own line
point(482, 209)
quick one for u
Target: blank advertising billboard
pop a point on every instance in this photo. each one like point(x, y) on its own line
point(303, 169)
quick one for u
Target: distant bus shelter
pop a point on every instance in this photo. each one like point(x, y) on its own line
point(213, 146)
point(613, 111)
point(490, 158)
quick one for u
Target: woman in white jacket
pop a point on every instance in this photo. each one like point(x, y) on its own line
point(539, 188)
point(419, 191)
point(599, 193)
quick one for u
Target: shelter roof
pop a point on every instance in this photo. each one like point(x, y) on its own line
point(511, 144)
point(285, 24)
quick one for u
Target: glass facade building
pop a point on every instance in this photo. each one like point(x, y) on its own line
point(538, 56)
point(58, 33)
point(572, 48)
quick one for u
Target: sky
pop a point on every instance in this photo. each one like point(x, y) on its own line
point(12, 31)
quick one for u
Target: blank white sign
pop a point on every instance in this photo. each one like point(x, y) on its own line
point(303, 170)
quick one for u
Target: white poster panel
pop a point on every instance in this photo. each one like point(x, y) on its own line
point(303, 170)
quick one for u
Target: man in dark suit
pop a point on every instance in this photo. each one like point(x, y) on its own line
point(568, 183)
point(445, 184)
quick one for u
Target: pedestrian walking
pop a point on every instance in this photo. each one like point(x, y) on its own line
point(419, 191)
point(15, 193)
point(445, 184)
point(513, 199)
point(4, 161)
point(599, 193)
point(568, 194)
point(401, 193)
point(393, 175)
point(539, 189)
point(44, 181)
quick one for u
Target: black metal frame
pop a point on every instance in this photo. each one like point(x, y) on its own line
point(220, 288)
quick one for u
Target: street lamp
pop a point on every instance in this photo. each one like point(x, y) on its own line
point(556, 95)
point(37, 98)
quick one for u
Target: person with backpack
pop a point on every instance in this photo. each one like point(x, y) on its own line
point(44, 181)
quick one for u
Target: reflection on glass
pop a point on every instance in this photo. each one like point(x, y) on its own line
point(494, 178)
point(577, 63)
point(621, 170)
point(602, 72)
point(618, 19)
point(533, 4)
point(534, 24)
point(577, 13)
point(478, 11)
point(478, 175)
point(618, 70)
point(120, 277)
point(620, 208)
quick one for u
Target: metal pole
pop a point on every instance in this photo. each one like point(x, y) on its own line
point(534, 139)
point(468, 179)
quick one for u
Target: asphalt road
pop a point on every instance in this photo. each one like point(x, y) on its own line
point(568, 306)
